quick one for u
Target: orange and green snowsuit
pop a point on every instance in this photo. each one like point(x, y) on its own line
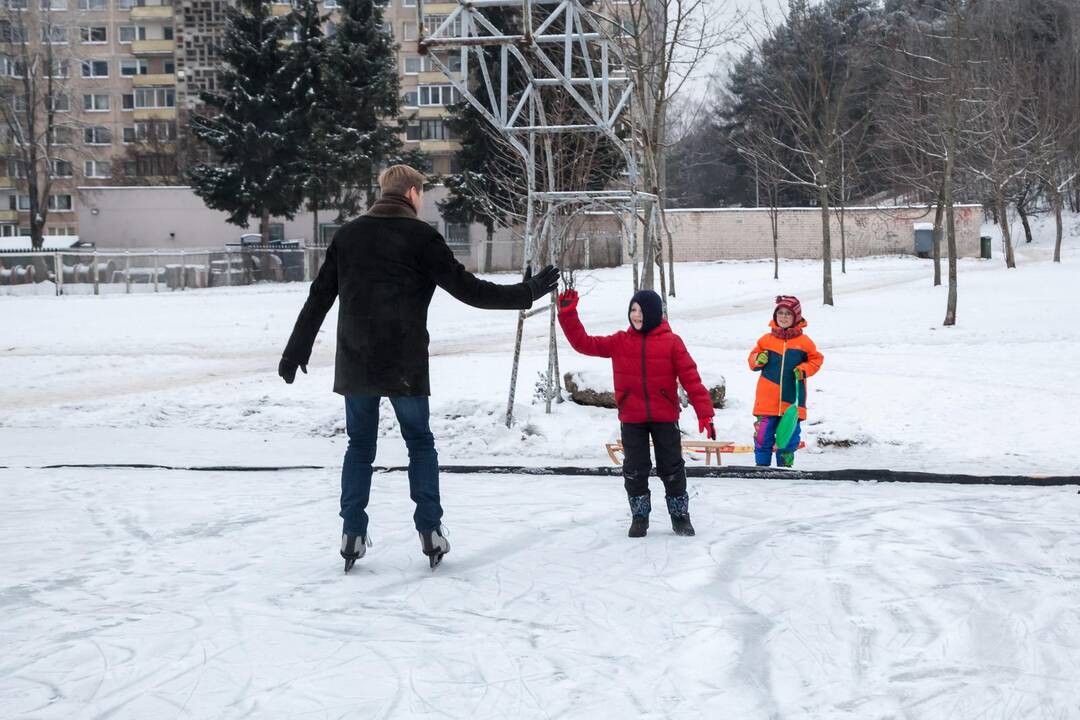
point(776, 386)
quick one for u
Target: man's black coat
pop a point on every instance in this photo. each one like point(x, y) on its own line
point(384, 267)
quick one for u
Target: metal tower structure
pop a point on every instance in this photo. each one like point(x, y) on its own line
point(559, 47)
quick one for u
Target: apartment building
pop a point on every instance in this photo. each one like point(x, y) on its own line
point(128, 73)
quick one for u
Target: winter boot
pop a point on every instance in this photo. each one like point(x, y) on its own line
point(679, 509)
point(785, 459)
point(354, 547)
point(435, 545)
point(640, 507)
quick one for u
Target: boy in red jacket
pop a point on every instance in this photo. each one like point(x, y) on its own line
point(783, 356)
point(646, 360)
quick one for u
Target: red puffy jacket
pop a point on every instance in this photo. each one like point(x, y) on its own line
point(645, 367)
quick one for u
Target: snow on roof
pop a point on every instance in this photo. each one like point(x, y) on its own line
point(924, 226)
point(49, 242)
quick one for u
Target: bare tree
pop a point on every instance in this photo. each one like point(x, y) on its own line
point(34, 70)
point(815, 74)
point(665, 43)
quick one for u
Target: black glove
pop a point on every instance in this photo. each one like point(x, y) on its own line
point(542, 284)
point(287, 369)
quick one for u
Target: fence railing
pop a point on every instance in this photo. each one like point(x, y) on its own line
point(110, 271)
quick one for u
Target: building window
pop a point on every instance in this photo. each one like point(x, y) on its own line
point(127, 34)
point(11, 67)
point(98, 168)
point(167, 32)
point(58, 103)
point(408, 3)
point(130, 68)
point(60, 203)
point(408, 31)
point(127, 101)
point(61, 230)
point(127, 4)
point(97, 135)
point(20, 202)
point(155, 130)
point(54, 34)
point(413, 64)
point(54, 5)
point(15, 5)
point(9, 230)
point(437, 95)
point(457, 236)
point(93, 5)
point(94, 34)
point(59, 69)
point(410, 99)
point(168, 67)
point(95, 103)
point(432, 23)
point(61, 169)
point(95, 68)
point(19, 104)
point(129, 135)
point(60, 135)
point(155, 97)
point(11, 33)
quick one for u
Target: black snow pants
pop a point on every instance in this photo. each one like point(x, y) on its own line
point(637, 463)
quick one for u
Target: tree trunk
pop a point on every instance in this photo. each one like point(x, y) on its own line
point(315, 223)
point(264, 226)
point(826, 247)
point(774, 221)
point(1006, 234)
point(950, 229)
point(648, 261)
point(1057, 200)
point(1021, 208)
point(938, 212)
point(843, 243)
point(488, 243)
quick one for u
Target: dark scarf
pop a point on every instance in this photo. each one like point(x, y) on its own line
point(787, 333)
point(392, 205)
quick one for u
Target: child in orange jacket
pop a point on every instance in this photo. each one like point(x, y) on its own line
point(783, 356)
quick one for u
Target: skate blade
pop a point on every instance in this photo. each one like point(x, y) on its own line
point(434, 560)
point(349, 562)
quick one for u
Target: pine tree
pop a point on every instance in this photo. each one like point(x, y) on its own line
point(306, 70)
point(254, 132)
point(360, 103)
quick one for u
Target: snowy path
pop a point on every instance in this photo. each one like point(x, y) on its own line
point(150, 594)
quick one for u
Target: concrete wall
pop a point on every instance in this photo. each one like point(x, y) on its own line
point(175, 218)
point(746, 233)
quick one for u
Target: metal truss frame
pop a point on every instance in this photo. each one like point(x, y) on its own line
point(551, 35)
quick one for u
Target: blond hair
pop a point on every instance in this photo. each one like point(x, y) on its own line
point(397, 179)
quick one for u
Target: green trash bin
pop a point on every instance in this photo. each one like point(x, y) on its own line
point(984, 247)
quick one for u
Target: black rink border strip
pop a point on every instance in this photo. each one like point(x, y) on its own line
point(734, 472)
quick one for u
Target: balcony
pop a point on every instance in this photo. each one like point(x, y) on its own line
point(439, 146)
point(439, 8)
point(279, 9)
point(433, 112)
point(152, 12)
point(435, 77)
point(155, 80)
point(155, 113)
point(153, 47)
point(9, 216)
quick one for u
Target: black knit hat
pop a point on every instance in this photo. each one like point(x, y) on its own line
point(652, 309)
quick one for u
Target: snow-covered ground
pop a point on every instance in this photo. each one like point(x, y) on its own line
point(148, 593)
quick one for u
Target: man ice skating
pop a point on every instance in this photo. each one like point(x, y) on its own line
point(384, 266)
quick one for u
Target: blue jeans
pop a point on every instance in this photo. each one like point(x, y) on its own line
point(362, 425)
point(765, 437)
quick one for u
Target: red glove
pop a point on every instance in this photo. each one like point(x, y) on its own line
point(568, 301)
point(705, 425)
